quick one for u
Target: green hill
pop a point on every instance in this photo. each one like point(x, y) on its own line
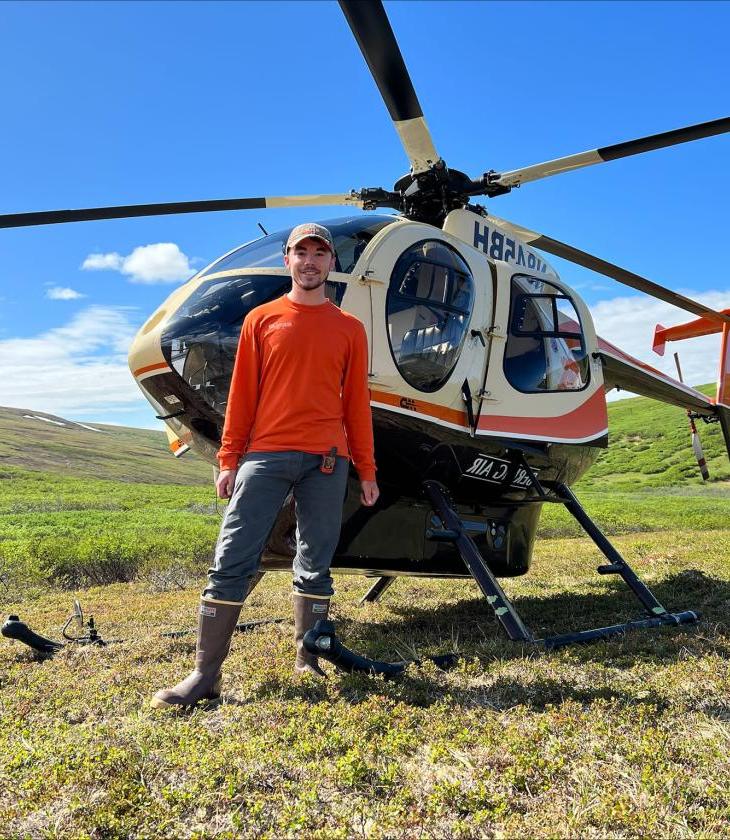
point(649, 446)
point(34, 440)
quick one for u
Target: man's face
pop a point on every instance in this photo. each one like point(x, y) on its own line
point(309, 261)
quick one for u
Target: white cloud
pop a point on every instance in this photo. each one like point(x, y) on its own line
point(162, 262)
point(154, 263)
point(78, 368)
point(629, 323)
point(63, 293)
point(103, 262)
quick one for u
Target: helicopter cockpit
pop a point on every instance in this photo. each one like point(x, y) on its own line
point(201, 337)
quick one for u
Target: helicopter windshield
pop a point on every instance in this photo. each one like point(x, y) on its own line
point(350, 235)
point(201, 338)
point(545, 349)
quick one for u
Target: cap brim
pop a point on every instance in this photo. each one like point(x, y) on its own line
point(299, 239)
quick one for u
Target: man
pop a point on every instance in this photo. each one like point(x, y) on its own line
point(298, 410)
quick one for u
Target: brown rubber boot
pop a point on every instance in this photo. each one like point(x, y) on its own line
point(216, 623)
point(307, 612)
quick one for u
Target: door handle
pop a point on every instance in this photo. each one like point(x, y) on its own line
point(466, 396)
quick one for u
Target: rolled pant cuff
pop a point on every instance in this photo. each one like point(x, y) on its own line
point(208, 599)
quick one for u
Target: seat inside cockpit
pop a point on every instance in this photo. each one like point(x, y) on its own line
point(429, 303)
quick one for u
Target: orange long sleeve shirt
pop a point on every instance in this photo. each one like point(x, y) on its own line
point(300, 382)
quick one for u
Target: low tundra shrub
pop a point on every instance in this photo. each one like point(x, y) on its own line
point(101, 558)
point(97, 560)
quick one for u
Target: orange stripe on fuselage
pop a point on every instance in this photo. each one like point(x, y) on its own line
point(588, 420)
point(148, 368)
point(421, 407)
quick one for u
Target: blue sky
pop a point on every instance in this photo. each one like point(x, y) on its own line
point(114, 103)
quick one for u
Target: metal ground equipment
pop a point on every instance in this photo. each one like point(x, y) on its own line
point(87, 633)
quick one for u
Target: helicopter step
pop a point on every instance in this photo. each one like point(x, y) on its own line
point(454, 531)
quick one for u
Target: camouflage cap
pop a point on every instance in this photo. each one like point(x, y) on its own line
point(310, 230)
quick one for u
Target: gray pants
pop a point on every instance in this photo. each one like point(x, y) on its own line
point(263, 482)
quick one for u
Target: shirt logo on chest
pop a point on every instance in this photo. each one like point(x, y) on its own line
point(279, 325)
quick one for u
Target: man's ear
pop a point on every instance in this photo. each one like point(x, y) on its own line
point(286, 259)
point(332, 263)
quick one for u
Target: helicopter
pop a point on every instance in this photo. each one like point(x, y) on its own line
point(488, 381)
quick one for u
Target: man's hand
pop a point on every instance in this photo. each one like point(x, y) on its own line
point(370, 493)
point(224, 484)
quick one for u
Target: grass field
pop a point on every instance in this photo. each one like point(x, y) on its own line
point(650, 447)
point(626, 738)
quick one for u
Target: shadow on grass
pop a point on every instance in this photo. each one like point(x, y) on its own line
point(411, 688)
point(717, 711)
point(470, 626)
point(541, 693)
point(423, 689)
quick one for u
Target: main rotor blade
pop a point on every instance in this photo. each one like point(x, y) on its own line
point(372, 30)
point(55, 217)
point(631, 147)
point(628, 278)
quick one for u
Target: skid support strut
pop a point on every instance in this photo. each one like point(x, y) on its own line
point(506, 614)
point(375, 593)
point(455, 533)
point(617, 566)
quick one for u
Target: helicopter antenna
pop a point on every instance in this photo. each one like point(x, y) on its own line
point(263, 229)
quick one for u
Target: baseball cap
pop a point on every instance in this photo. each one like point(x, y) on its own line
point(310, 230)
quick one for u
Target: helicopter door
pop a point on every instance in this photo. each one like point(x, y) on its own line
point(541, 382)
point(431, 307)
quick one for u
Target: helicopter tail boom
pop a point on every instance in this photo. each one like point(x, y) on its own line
point(624, 371)
point(627, 373)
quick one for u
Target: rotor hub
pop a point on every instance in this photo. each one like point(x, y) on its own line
point(429, 196)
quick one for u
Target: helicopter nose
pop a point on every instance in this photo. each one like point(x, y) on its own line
point(200, 338)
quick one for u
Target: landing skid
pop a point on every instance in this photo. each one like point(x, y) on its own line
point(453, 531)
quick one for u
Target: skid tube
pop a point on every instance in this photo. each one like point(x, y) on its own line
point(453, 531)
point(322, 641)
point(18, 631)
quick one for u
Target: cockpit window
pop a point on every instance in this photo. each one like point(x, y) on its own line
point(429, 302)
point(350, 236)
point(546, 349)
